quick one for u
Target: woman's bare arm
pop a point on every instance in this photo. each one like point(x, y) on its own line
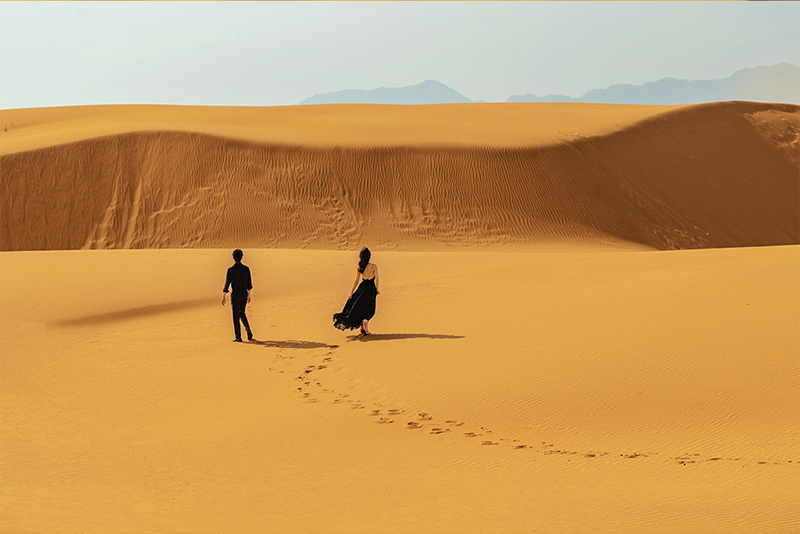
point(377, 280)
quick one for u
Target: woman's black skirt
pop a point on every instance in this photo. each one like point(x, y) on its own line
point(358, 307)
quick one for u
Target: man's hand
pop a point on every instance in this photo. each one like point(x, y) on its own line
point(223, 299)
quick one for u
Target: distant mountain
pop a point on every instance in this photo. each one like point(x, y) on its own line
point(428, 92)
point(778, 83)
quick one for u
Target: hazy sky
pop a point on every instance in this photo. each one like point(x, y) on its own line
point(276, 53)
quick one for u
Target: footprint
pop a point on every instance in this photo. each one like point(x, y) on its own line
point(471, 434)
point(517, 447)
point(454, 423)
point(489, 443)
point(425, 417)
point(396, 412)
point(413, 425)
point(559, 451)
point(374, 413)
point(385, 420)
point(439, 430)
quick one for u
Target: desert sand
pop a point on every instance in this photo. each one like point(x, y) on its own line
point(588, 319)
point(400, 177)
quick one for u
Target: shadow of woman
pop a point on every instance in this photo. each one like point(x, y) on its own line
point(384, 337)
point(293, 344)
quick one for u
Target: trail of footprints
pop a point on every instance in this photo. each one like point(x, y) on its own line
point(312, 390)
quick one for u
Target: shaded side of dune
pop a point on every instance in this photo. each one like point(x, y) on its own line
point(722, 175)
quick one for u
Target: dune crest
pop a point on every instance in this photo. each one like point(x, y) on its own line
point(718, 175)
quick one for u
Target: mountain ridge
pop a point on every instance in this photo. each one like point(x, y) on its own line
point(775, 83)
point(427, 92)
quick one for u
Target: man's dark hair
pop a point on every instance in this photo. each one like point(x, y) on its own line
point(238, 255)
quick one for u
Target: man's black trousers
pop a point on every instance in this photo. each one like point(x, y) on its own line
point(238, 303)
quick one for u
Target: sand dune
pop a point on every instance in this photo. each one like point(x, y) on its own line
point(622, 392)
point(516, 380)
point(401, 178)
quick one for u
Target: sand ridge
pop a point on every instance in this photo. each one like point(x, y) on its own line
point(624, 176)
point(345, 125)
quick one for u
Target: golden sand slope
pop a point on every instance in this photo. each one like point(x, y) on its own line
point(626, 392)
point(400, 177)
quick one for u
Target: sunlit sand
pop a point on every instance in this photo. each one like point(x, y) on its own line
point(542, 359)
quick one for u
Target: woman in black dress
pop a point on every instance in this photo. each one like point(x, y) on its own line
point(360, 306)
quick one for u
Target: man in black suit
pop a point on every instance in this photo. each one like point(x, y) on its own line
point(239, 280)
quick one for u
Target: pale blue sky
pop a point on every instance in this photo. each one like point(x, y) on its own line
point(277, 53)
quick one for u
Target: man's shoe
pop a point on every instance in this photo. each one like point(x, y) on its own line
point(249, 335)
point(236, 340)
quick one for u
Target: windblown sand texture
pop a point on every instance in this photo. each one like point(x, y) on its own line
point(536, 366)
point(401, 178)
